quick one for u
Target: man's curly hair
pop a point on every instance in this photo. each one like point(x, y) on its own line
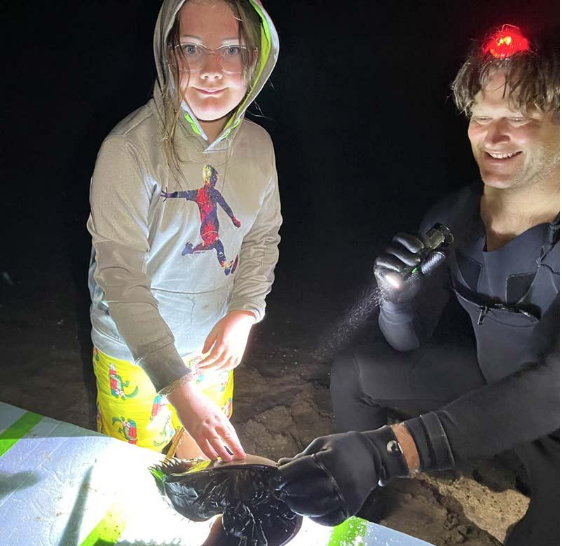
point(532, 76)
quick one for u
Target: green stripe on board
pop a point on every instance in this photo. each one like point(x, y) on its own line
point(13, 434)
point(348, 533)
point(108, 530)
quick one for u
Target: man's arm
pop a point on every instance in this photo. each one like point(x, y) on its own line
point(490, 420)
point(410, 319)
point(408, 325)
point(518, 409)
point(411, 308)
point(331, 479)
point(408, 445)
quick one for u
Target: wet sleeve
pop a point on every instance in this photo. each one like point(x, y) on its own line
point(496, 417)
point(259, 254)
point(518, 409)
point(397, 322)
point(120, 197)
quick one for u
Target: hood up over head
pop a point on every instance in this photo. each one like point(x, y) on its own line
point(266, 63)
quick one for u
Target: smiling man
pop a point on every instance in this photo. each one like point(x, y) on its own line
point(472, 335)
point(516, 147)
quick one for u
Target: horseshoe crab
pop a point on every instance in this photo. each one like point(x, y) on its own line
point(239, 490)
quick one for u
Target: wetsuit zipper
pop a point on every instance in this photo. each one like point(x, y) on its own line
point(498, 307)
point(483, 312)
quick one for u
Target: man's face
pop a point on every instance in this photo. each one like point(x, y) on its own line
point(512, 149)
point(211, 93)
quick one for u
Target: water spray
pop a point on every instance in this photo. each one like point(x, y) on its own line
point(340, 336)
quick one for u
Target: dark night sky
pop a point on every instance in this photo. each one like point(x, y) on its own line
point(365, 135)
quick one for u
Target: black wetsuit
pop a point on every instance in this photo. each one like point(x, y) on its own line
point(485, 360)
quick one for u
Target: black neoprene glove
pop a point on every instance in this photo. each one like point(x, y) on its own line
point(331, 479)
point(405, 252)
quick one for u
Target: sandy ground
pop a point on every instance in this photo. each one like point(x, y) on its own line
point(281, 394)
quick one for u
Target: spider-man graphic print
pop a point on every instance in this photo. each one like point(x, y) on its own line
point(207, 198)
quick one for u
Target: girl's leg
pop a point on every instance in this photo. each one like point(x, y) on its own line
point(129, 408)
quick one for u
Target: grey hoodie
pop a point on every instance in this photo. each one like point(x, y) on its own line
point(155, 293)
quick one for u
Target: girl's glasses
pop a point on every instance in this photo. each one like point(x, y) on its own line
point(231, 58)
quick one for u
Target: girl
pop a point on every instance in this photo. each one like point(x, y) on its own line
point(184, 221)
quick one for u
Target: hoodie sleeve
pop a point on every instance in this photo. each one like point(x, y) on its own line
point(120, 197)
point(259, 254)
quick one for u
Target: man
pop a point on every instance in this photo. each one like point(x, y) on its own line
point(473, 334)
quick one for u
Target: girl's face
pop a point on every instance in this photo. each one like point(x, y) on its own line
point(210, 92)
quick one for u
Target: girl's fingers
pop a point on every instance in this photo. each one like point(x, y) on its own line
point(206, 346)
point(221, 361)
point(227, 363)
point(231, 439)
point(231, 363)
point(218, 363)
point(209, 342)
point(236, 449)
point(210, 359)
point(218, 445)
point(208, 450)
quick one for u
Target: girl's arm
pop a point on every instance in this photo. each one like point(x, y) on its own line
point(206, 423)
point(120, 198)
point(254, 277)
point(259, 255)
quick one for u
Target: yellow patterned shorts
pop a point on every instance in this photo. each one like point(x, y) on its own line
point(130, 409)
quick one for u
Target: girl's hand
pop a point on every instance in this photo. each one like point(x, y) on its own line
point(206, 423)
point(227, 341)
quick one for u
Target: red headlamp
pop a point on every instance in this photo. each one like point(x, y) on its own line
point(505, 42)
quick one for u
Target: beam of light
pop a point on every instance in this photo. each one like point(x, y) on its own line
point(394, 279)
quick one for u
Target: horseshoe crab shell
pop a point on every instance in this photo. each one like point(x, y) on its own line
point(239, 490)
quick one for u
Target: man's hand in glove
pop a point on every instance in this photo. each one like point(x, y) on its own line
point(404, 253)
point(331, 479)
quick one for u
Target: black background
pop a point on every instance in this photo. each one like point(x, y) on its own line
point(359, 109)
